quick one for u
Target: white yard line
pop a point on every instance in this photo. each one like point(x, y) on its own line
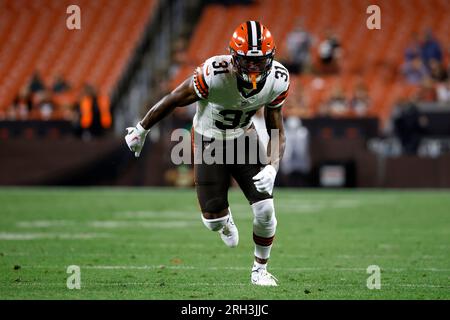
point(141, 255)
point(12, 236)
point(188, 214)
point(113, 224)
point(379, 256)
point(84, 284)
point(187, 267)
point(200, 245)
point(45, 223)
point(303, 206)
point(109, 224)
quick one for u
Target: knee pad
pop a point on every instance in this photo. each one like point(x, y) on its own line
point(264, 222)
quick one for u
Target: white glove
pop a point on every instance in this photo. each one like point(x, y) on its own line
point(265, 179)
point(135, 138)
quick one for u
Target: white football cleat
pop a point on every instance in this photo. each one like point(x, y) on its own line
point(261, 277)
point(229, 233)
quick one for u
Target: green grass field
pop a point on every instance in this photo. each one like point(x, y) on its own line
point(151, 244)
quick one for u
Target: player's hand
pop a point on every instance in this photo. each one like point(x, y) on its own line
point(135, 138)
point(265, 179)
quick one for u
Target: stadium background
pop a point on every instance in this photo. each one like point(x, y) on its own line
point(131, 55)
point(377, 116)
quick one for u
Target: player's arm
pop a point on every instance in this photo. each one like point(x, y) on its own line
point(265, 179)
point(277, 139)
point(182, 96)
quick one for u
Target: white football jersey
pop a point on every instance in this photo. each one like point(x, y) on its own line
point(225, 111)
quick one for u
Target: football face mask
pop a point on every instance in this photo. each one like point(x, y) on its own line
point(252, 69)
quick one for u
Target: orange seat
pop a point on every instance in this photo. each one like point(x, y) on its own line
point(33, 38)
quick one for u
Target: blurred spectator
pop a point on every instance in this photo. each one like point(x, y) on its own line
point(336, 105)
point(296, 163)
point(437, 71)
point(447, 59)
point(45, 105)
point(427, 91)
point(430, 49)
point(21, 106)
point(414, 71)
point(36, 84)
point(297, 104)
point(95, 115)
point(298, 43)
point(360, 101)
point(178, 58)
point(413, 50)
point(60, 84)
point(443, 92)
point(329, 52)
point(179, 176)
point(409, 126)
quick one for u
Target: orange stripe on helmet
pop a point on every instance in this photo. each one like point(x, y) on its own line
point(241, 36)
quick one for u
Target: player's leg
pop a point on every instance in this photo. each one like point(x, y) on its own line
point(264, 221)
point(223, 223)
point(264, 224)
point(216, 214)
point(264, 228)
point(212, 182)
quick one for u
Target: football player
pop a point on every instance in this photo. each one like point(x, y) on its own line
point(229, 90)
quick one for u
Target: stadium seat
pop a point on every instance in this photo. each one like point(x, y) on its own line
point(38, 39)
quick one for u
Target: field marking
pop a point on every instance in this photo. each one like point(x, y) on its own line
point(199, 245)
point(308, 206)
point(45, 223)
point(103, 254)
point(108, 224)
point(294, 207)
point(224, 284)
point(187, 267)
point(379, 256)
point(106, 284)
point(7, 236)
point(113, 224)
point(188, 214)
point(94, 192)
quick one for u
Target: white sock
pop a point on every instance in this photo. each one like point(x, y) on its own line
point(262, 252)
point(257, 265)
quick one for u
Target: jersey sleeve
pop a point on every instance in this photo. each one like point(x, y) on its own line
point(202, 80)
point(280, 87)
point(279, 100)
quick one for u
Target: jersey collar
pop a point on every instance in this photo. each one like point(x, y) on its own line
point(241, 84)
